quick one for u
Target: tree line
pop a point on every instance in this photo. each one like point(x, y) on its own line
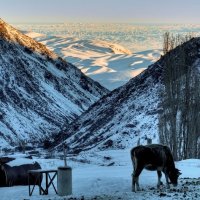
point(179, 121)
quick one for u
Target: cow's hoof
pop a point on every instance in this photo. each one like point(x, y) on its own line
point(133, 190)
point(138, 189)
point(168, 186)
point(159, 186)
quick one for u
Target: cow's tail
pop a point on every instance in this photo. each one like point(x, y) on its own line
point(133, 158)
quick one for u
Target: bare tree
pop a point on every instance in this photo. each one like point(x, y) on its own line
point(180, 101)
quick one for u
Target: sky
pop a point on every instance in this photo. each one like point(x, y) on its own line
point(131, 11)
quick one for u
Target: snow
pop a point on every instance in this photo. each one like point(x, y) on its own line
point(109, 182)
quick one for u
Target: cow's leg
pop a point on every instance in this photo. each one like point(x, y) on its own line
point(133, 182)
point(167, 180)
point(159, 179)
point(135, 178)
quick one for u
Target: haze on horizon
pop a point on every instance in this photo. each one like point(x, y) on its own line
point(134, 11)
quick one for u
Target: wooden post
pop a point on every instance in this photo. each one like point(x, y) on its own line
point(65, 155)
point(40, 184)
point(46, 191)
point(29, 187)
point(138, 142)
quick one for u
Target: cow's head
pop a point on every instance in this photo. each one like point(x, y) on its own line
point(173, 176)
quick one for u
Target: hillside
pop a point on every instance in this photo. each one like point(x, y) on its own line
point(39, 91)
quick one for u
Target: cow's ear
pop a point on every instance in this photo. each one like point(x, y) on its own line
point(179, 172)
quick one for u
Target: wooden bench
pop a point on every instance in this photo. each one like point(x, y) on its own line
point(48, 180)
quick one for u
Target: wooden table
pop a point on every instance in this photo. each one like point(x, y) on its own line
point(48, 180)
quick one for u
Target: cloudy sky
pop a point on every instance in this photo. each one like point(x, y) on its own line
point(135, 11)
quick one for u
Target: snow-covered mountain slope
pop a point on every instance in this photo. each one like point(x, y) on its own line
point(127, 114)
point(110, 64)
point(39, 91)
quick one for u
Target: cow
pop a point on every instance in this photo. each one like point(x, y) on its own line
point(18, 175)
point(153, 157)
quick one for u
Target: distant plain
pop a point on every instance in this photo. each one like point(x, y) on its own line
point(110, 53)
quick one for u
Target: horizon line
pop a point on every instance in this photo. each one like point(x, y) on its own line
point(109, 22)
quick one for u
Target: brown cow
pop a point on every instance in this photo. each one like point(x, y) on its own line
point(153, 157)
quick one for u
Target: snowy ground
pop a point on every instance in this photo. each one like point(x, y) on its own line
point(107, 175)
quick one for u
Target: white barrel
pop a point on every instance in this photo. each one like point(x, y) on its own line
point(64, 181)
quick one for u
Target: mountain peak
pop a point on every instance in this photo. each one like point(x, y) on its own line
point(13, 35)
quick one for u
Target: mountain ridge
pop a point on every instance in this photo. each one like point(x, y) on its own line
point(40, 92)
